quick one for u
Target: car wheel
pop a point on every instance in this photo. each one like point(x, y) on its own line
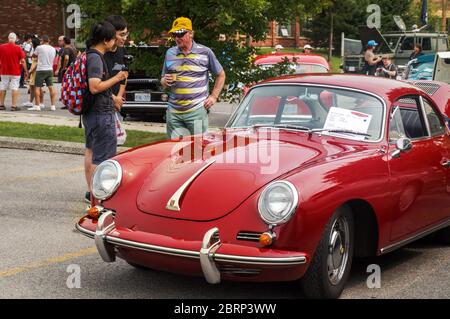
point(330, 266)
point(137, 266)
point(444, 235)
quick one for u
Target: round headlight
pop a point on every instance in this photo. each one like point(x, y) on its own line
point(278, 202)
point(106, 179)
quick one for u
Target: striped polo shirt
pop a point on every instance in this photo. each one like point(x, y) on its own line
point(191, 88)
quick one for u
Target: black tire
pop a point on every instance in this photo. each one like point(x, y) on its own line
point(137, 266)
point(444, 236)
point(316, 283)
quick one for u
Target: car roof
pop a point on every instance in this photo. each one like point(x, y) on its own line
point(387, 89)
point(301, 58)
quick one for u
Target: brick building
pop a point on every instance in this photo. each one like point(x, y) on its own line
point(23, 17)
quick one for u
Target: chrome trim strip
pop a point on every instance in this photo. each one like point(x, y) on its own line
point(282, 261)
point(383, 102)
point(84, 231)
point(151, 105)
point(413, 238)
point(174, 201)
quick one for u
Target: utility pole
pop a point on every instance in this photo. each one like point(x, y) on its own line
point(330, 49)
point(444, 15)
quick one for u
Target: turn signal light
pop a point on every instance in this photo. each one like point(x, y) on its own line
point(94, 212)
point(266, 239)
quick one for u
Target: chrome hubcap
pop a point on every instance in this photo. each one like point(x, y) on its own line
point(338, 247)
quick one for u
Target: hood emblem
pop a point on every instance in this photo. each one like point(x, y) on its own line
point(174, 201)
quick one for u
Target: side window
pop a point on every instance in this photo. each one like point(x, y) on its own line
point(426, 44)
point(436, 126)
point(407, 120)
point(408, 44)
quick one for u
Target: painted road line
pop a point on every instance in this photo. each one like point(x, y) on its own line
point(48, 262)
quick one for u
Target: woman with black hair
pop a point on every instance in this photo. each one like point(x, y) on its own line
point(99, 117)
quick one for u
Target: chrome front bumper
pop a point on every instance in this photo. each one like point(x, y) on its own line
point(207, 255)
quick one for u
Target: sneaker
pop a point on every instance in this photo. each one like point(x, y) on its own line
point(2, 108)
point(35, 108)
point(15, 108)
point(42, 106)
point(27, 104)
point(87, 197)
point(53, 108)
point(64, 108)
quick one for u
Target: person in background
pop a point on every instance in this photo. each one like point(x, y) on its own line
point(32, 78)
point(278, 49)
point(99, 118)
point(45, 54)
point(67, 56)
point(186, 73)
point(370, 60)
point(116, 57)
point(11, 58)
point(416, 52)
point(389, 69)
point(307, 49)
point(27, 47)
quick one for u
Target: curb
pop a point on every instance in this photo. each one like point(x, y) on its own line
point(46, 145)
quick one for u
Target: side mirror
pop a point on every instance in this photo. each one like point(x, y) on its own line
point(403, 145)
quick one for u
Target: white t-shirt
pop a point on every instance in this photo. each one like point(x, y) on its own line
point(46, 54)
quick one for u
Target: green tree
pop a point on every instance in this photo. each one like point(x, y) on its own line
point(149, 19)
point(350, 14)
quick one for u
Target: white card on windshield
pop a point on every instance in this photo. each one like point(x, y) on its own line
point(343, 119)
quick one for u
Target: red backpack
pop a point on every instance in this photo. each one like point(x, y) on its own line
point(74, 86)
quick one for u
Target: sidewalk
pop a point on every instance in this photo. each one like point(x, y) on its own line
point(47, 118)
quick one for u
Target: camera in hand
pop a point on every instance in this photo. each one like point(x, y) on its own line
point(128, 59)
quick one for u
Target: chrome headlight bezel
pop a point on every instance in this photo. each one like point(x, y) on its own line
point(264, 212)
point(104, 194)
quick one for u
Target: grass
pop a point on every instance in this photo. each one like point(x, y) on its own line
point(334, 63)
point(70, 134)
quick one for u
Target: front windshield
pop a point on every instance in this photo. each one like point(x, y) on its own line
point(330, 111)
point(423, 71)
point(301, 68)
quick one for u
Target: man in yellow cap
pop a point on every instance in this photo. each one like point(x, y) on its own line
point(186, 73)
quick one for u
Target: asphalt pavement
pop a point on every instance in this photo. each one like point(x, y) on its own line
point(41, 198)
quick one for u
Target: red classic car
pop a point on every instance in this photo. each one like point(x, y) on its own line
point(302, 63)
point(310, 172)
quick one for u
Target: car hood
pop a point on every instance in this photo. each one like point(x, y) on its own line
point(210, 177)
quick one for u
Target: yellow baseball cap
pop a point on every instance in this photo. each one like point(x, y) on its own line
point(181, 25)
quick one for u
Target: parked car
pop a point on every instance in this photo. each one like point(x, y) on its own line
point(301, 63)
point(144, 93)
point(397, 45)
point(355, 166)
point(432, 67)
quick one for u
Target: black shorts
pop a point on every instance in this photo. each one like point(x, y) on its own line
point(101, 138)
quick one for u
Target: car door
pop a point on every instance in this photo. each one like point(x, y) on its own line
point(419, 177)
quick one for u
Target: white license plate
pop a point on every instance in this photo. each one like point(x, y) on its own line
point(142, 97)
point(351, 68)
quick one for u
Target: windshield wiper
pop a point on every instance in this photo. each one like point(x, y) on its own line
point(286, 126)
point(340, 131)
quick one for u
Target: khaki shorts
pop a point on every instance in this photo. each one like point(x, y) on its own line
point(44, 77)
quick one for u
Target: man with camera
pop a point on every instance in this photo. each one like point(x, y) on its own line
point(116, 58)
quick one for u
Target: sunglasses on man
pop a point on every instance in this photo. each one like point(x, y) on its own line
point(179, 35)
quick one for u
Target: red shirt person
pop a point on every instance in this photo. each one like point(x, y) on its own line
point(11, 57)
